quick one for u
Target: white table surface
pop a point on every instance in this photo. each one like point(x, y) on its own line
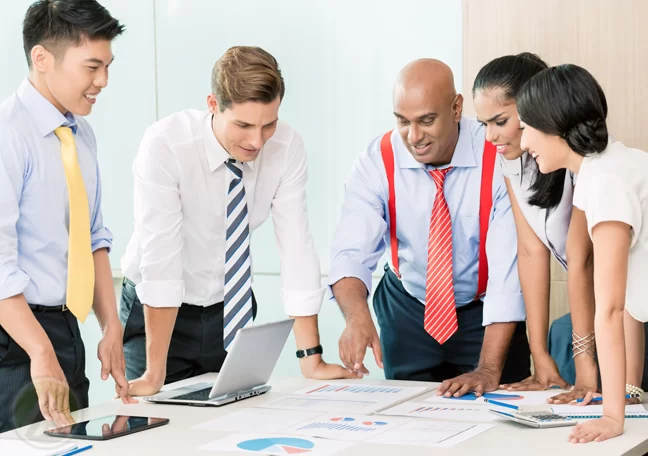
point(177, 437)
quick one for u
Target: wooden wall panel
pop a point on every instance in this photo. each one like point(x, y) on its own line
point(609, 38)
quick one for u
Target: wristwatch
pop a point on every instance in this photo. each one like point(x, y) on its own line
point(310, 351)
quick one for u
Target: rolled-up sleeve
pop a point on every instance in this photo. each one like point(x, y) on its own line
point(158, 221)
point(503, 301)
point(101, 237)
point(13, 280)
point(359, 238)
point(301, 284)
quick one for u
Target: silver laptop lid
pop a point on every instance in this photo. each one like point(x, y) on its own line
point(251, 357)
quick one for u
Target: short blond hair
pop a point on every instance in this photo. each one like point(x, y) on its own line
point(246, 73)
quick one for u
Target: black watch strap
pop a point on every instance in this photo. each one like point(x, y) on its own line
point(310, 351)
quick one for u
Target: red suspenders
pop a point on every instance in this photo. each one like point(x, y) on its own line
point(485, 205)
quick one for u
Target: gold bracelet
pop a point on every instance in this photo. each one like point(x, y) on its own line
point(582, 345)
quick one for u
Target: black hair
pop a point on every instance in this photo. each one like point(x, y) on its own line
point(566, 101)
point(56, 24)
point(510, 73)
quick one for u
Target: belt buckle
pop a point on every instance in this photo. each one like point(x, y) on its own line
point(64, 307)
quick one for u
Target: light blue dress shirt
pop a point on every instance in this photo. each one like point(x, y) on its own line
point(362, 234)
point(34, 198)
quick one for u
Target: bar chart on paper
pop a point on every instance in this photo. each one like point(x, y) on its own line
point(348, 428)
point(362, 392)
point(441, 412)
point(348, 398)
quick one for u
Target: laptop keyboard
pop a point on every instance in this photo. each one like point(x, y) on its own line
point(200, 395)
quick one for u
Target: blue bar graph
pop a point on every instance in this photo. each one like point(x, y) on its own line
point(337, 427)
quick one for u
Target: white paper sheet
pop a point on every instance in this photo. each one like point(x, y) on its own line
point(346, 397)
point(431, 433)
point(33, 448)
point(361, 391)
point(322, 405)
point(347, 427)
point(596, 410)
point(261, 420)
point(454, 411)
point(276, 445)
point(518, 398)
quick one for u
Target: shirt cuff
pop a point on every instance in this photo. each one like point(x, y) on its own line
point(102, 239)
point(161, 293)
point(13, 281)
point(503, 308)
point(299, 303)
point(350, 268)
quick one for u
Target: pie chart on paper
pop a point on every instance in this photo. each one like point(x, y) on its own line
point(278, 445)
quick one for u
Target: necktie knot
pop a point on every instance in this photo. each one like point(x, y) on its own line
point(63, 133)
point(439, 176)
point(233, 166)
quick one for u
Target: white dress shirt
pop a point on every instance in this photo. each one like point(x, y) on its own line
point(177, 251)
point(550, 225)
point(613, 186)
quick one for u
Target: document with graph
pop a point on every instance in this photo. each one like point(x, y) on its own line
point(350, 428)
point(346, 397)
point(455, 412)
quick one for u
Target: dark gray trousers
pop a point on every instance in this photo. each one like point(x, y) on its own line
point(196, 343)
point(18, 399)
point(409, 353)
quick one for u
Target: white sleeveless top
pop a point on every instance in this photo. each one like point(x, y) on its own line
point(550, 225)
point(613, 186)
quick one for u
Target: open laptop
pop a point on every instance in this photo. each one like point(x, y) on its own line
point(250, 361)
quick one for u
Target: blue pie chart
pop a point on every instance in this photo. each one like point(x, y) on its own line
point(278, 445)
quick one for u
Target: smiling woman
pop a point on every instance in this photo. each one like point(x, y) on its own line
point(542, 207)
point(563, 110)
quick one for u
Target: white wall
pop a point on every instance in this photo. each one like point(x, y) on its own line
point(339, 60)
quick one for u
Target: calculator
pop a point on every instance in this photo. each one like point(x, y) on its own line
point(539, 419)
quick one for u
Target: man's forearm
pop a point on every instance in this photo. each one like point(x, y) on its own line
point(306, 332)
point(497, 338)
point(104, 303)
point(18, 320)
point(159, 323)
point(351, 295)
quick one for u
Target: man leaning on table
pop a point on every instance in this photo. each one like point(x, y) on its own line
point(422, 189)
point(204, 181)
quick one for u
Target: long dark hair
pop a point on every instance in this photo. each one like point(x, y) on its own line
point(566, 101)
point(510, 73)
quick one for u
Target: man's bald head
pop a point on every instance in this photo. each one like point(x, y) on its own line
point(427, 75)
point(428, 110)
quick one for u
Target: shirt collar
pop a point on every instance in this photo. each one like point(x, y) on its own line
point(46, 116)
point(463, 156)
point(216, 153)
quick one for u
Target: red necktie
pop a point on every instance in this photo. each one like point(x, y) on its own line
point(440, 311)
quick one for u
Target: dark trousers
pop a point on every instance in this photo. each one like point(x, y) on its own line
point(18, 399)
point(560, 348)
point(196, 342)
point(409, 353)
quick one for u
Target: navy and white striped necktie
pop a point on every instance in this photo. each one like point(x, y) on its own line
point(238, 278)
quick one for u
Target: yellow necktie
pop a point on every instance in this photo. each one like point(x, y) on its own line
point(80, 278)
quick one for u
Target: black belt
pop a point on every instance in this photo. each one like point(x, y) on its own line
point(39, 308)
